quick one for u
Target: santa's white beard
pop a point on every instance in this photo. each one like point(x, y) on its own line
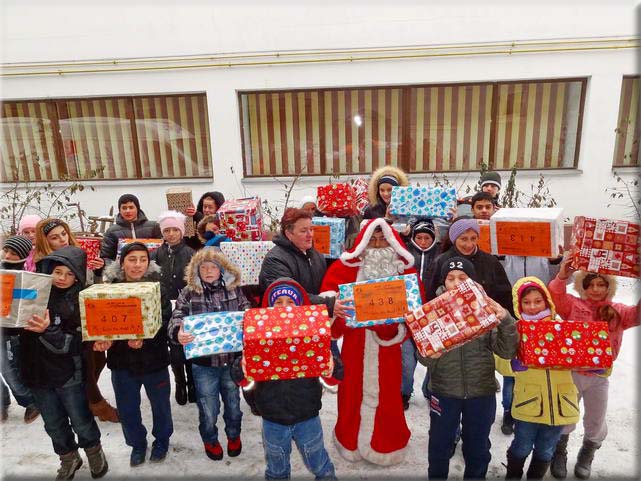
point(381, 262)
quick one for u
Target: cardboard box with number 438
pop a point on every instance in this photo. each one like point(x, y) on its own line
point(110, 312)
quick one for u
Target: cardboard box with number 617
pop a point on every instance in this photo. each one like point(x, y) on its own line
point(111, 312)
point(536, 232)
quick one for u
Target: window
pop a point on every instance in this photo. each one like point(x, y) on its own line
point(626, 147)
point(428, 128)
point(123, 138)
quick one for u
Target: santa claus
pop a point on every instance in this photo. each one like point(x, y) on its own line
point(371, 420)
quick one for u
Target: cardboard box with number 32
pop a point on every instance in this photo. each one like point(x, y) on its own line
point(110, 312)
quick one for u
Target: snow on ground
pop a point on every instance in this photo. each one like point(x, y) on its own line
point(27, 451)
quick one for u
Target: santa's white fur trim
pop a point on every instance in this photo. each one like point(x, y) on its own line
point(397, 339)
point(347, 454)
point(389, 236)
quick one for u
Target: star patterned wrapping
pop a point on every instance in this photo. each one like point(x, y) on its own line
point(412, 293)
point(286, 342)
point(422, 201)
point(452, 319)
point(214, 332)
point(565, 344)
point(606, 246)
point(248, 257)
point(336, 200)
point(242, 219)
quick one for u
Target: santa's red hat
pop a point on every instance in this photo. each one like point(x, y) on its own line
point(351, 257)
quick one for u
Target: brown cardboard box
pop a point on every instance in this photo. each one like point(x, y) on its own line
point(180, 199)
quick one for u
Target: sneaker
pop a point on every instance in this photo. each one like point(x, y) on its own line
point(31, 414)
point(97, 461)
point(69, 464)
point(214, 451)
point(137, 457)
point(234, 447)
point(158, 453)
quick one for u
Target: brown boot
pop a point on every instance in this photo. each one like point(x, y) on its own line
point(104, 411)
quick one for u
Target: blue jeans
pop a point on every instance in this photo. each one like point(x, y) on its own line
point(10, 372)
point(61, 406)
point(476, 415)
point(308, 436)
point(507, 392)
point(533, 436)
point(213, 383)
point(127, 390)
point(408, 363)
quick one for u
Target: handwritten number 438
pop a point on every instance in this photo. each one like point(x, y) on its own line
point(381, 301)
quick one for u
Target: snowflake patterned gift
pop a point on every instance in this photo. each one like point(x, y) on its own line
point(203, 323)
point(329, 236)
point(336, 200)
point(565, 344)
point(242, 219)
point(381, 301)
point(227, 337)
point(422, 201)
point(452, 319)
point(286, 342)
point(606, 246)
point(248, 257)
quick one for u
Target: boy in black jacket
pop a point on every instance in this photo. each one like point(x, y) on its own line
point(290, 408)
point(51, 365)
point(173, 257)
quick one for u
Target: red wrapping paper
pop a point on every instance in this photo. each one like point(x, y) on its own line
point(242, 219)
point(360, 186)
point(91, 246)
point(286, 342)
point(337, 200)
point(565, 344)
point(452, 319)
point(606, 246)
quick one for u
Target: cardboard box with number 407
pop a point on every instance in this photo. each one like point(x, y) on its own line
point(110, 312)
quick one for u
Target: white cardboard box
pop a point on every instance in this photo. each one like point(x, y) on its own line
point(23, 295)
point(535, 232)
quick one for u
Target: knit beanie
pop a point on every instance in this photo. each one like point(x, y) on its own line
point(461, 225)
point(457, 263)
point(172, 218)
point(133, 247)
point(388, 179)
point(287, 290)
point(490, 177)
point(21, 245)
point(424, 227)
point(125, 198)
point(28, 222)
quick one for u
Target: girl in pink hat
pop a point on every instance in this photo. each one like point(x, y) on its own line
point(27, 228)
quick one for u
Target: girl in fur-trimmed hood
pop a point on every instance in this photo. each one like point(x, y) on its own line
point(212, 286)
point(380, 190)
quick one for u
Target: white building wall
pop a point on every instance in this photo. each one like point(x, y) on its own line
point(78, 30)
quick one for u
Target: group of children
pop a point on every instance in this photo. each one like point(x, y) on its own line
point(460, 384)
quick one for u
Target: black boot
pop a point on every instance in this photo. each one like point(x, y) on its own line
point(406, 401)
point(191, 389)
point(559, 466)
point(537, 469)
point(583, 466)
point(514, 466)
point(507, 425)
point(181, 385)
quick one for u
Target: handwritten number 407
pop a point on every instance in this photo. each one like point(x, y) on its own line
point(114, 318)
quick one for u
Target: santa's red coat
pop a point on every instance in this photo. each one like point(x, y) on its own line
point(371, 420)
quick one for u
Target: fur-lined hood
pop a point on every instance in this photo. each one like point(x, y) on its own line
point(114, 273)
point(231, 274)
point(372, 189)
point(578, 284)
point(531, 280)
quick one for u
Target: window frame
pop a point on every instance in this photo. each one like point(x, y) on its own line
point(637, 163)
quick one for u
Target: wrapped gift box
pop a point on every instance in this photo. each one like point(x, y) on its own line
point(329, 236)
point(452, 319)
point(536, 232)
point(248, 256)
point(381, 301)
point(128, 310)
point(484, 236)
point(606, 246)
point(22, 295)
point(152, 244)
point(242, 219)
point(361, 186)
point(423, 201)
point(286, 342)
point(215, 333)
point(565, 344)
point(336, 200)
point(91, 246)
point(181, 199)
